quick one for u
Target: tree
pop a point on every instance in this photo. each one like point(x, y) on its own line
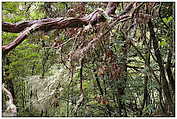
point(118, 59)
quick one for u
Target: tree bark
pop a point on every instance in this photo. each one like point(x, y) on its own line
point(46, 25)
point(160, 62)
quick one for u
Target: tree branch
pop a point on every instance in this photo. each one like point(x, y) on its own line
point(150, 68)
point(49, 24)
point(161, 65)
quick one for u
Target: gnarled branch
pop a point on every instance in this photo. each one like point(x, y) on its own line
point(50, 24)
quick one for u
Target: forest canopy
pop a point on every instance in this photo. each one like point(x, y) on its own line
point(88, 59)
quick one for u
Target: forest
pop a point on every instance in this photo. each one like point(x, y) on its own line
point(88, 59)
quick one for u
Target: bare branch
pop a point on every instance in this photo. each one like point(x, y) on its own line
point(11, 109)
point(9, 95)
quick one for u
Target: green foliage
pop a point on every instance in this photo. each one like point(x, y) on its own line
point(118, 80)
point(168, 19)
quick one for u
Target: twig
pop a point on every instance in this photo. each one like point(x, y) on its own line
point(81, 98)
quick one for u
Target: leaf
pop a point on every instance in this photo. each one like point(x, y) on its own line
point(163, 43)
point(45, 37)
point(114, 30)
point(167, 20)
point(148, 35)
point(138, 33)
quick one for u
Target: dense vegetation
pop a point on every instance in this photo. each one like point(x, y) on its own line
point(73, 59)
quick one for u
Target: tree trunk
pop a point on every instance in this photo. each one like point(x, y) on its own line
point(165, 85)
